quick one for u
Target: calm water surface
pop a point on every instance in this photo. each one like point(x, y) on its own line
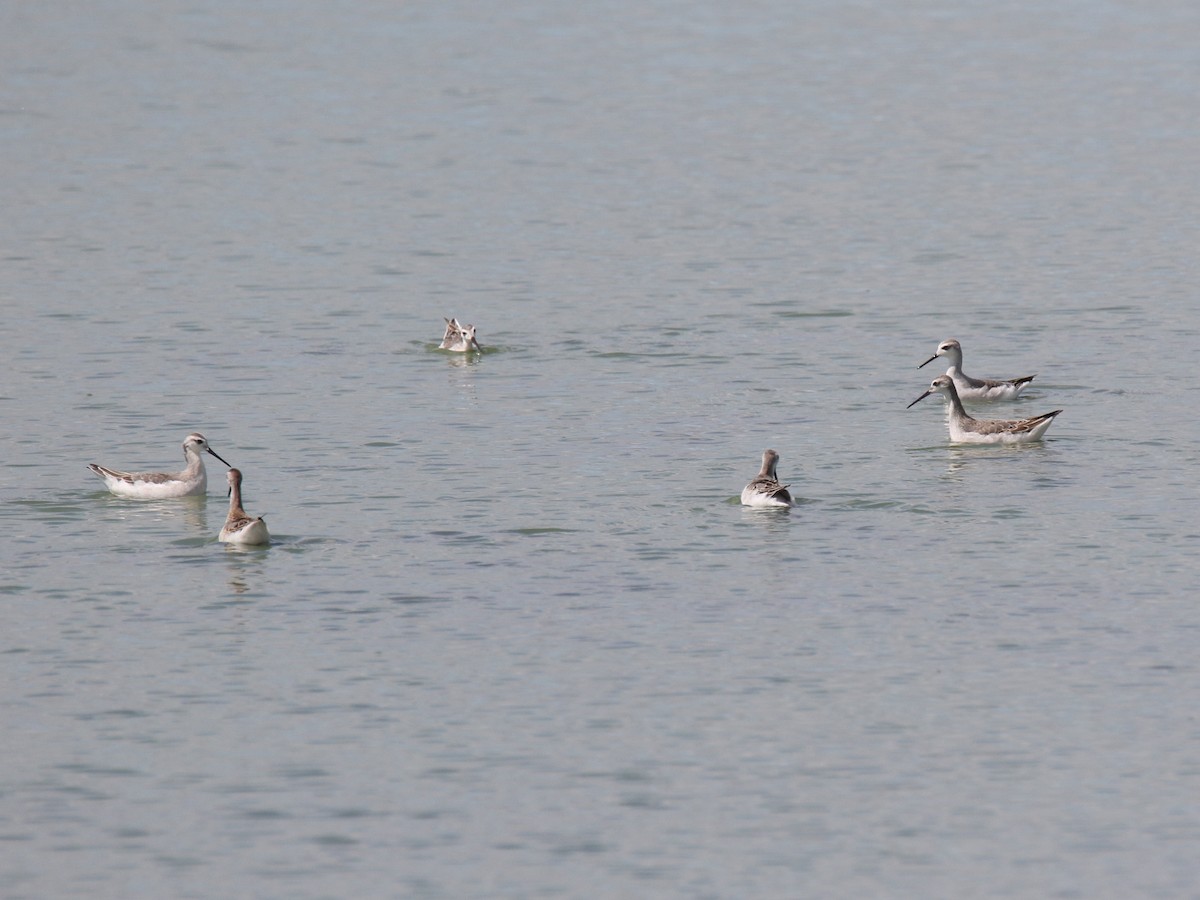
point(515, 636)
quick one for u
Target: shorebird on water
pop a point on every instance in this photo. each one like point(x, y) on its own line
point(161, 485)
point(967, 430)
point(976, 388)
point(765, 490)
point(241, 528)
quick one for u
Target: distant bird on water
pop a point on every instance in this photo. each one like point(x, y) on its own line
point(459, 338)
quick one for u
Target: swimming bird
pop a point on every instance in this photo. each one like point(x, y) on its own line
point(160, 485)
point(459, 338)
point(239, 527)
point(765, 490)
point(976, 388)
point(966, 430)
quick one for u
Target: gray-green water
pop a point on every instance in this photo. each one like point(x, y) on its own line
point(515, 637)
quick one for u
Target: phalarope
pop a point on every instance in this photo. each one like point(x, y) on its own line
point(765, 490)
point(976, 388)
point(160, 485)
point(239, 527)
point(966, 430)
point(459, 338)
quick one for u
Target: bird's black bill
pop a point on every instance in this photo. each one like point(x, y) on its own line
point(927, 362)
point(218, 456)
point(918, 400)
